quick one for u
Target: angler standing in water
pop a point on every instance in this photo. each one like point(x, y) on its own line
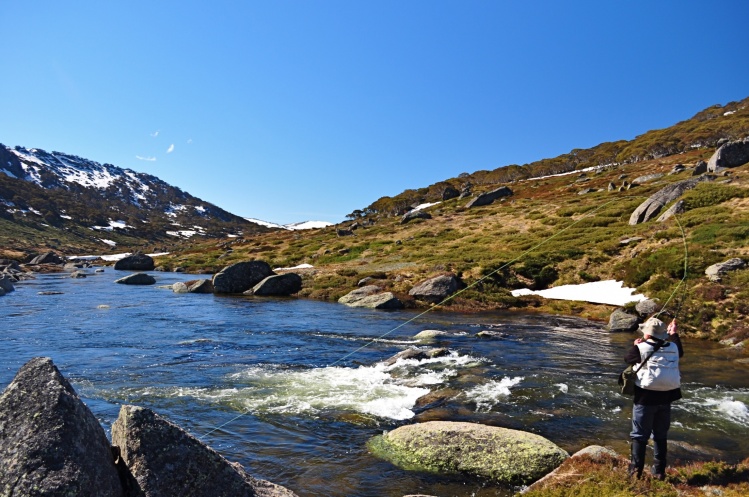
point(657, 385)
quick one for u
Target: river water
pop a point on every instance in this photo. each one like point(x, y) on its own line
point(293, 389)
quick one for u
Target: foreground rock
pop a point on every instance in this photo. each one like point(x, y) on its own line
point(50, 442)
point(731, 154)
point(137, 279)
point(135, 262)
point(622, 321)
point(716, 271)
point(166, 461)
point(506, 456)
point(240, 277)
point(436, 289)
point(489, 197)
point(277, 285)
point(653, 205)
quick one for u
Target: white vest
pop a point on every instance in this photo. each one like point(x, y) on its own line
point(661, 372)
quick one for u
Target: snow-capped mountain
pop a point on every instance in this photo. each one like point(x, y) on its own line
point(61, 191)
point(304, 225)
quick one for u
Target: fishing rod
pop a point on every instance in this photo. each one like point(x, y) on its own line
point(497, 270)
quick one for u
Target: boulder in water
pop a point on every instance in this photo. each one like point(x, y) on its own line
point(358, 294)
point(135, 262)
point(384, 300)
point(137, 279)
point(166, 461)
point(278, 285)
point(503, 455)
point(77, 274)
point(6, 284)
point(240, 277)
point(180, 287)
point(199, 286)
point(50, 442)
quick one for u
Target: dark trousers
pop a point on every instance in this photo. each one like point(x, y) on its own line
point(647, 420)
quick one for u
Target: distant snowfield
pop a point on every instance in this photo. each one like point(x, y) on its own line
point(300, 266)
point(610, 292)
point(109, 257)
point(304, 225)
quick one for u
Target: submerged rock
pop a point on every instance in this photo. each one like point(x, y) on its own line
point(417, 354)
point(503, 455)
point(50, 442)
point(166, 461)
point(429, 334)
point(137, 279)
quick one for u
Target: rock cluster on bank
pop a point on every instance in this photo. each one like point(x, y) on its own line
point(51, 444)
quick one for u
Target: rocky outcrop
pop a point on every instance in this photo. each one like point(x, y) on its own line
point(137, 279)
point(410, 216)
point(621, 320)
point(500, 454)
point(135, 262)
point(50, 442)
point(731, 154)
point(277, 285)
point(385, 300)
point(240, 277)
point(647, 178)
point(436, 289)
point(653, 205)
point(677, 208)
point(358, 294)
point(489, 197)
point(47, 258)
point(199, 286)
point(450, 192)
point(716, 271)
point(168, 462)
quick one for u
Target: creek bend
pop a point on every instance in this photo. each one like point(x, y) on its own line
point(202, 360)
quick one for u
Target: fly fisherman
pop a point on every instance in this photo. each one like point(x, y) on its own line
point(657, 385)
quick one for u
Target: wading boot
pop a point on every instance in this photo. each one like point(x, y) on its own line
point(659, 459)
point(638, 458)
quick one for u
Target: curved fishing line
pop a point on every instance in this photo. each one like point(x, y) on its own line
point(480, 280)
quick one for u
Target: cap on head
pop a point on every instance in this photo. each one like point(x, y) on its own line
point(655, 328)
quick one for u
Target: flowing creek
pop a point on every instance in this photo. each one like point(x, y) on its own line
point(202, 360)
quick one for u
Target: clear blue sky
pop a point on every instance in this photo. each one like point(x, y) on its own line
point(289, 111)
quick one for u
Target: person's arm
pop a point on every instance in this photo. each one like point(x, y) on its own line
point(673, 336)
point(633, 356)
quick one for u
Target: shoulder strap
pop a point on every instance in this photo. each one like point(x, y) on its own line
point(655, 349)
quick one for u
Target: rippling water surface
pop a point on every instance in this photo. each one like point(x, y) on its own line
point(293, 389)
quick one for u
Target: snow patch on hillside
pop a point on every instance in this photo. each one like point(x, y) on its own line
point(598, 292)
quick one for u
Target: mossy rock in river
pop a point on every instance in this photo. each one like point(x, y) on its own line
point(506, 456)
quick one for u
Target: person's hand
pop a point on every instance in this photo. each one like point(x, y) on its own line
point(639, 340)
point(672, 327)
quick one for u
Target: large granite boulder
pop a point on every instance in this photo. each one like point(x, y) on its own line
point(489, 197)
point(716, 271)
point(47, 258)
point(647, 307)
point(410, 216)
point(358, 294)
point(50, 442)
point(240, 277)
point(168, 462)
point(677, 208)
point(731, 154)
point(384, 300)
point(436, 289)
point(503, 455)
point(200, 286)
point(135, 262)
point(450, 192)
point(653, 205)
point(6, 284)
point(278, 285)
point(137, 279)
point(621, 320)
